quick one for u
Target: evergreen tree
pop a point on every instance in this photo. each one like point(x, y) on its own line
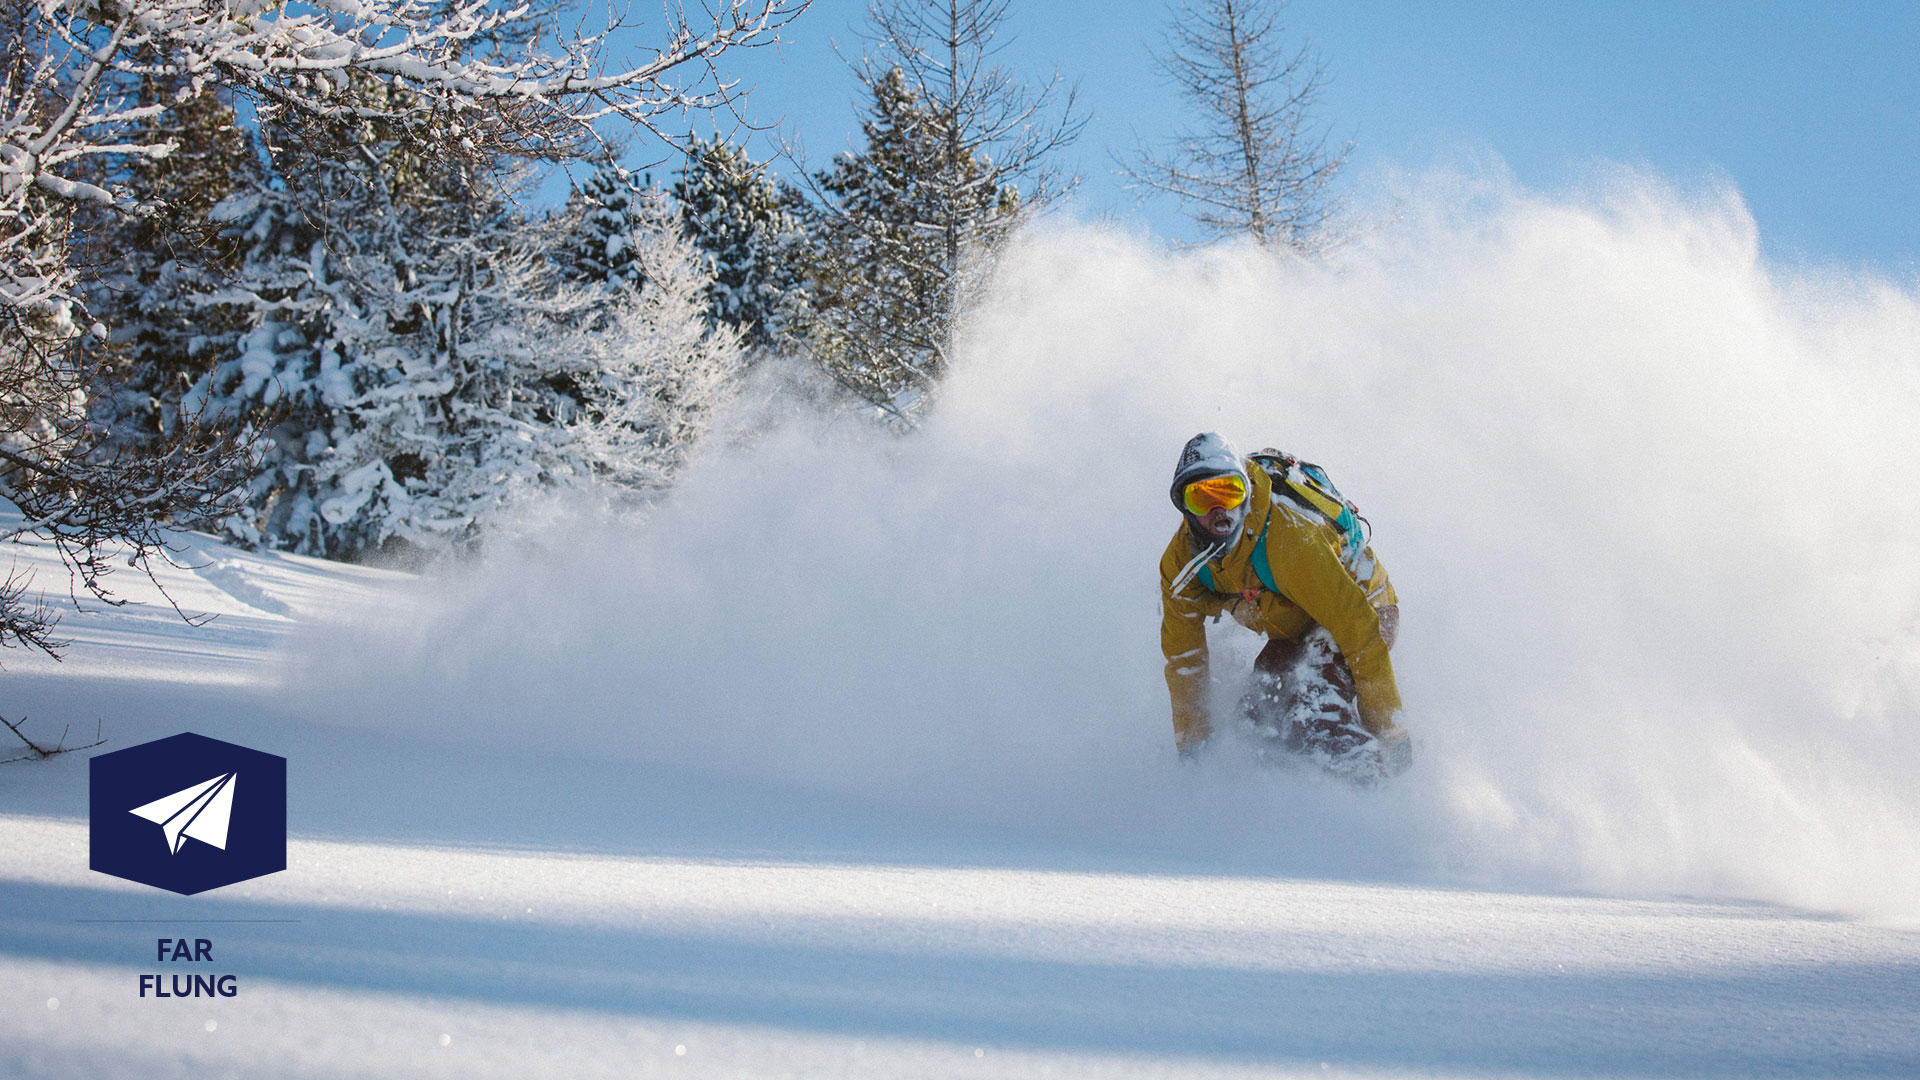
point(989, 132)
point(407, 333)
point(659, 366)
point(459, 86)
point(748, 229)
point(426, 363)
point(956, 152)
point(159, 268)
point(884, 281)
point(600, 247)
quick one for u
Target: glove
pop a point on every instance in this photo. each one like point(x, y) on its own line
point(1389, 623)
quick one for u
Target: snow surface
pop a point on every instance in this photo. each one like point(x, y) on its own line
point(852, 758)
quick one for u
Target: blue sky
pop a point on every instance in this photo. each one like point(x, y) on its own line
point(1811, 110)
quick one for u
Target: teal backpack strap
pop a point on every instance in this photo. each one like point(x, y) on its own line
point(1260, 567)
point(1260, 564)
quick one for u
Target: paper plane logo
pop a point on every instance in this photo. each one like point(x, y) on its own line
point(173, 813)
point(202, 811)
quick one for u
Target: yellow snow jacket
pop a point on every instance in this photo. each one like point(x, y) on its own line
point(1316, 586)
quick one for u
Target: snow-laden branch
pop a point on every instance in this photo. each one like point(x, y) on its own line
point(471, 78)
point(466, 81)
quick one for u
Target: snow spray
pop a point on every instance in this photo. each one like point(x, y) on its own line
point(1646, 498)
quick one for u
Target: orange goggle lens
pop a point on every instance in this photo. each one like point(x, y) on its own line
point(1224, 492)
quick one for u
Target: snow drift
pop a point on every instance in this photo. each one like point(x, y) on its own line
point(1645, 498)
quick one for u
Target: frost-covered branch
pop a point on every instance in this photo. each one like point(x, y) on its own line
point(460, 83)
point(100, 508)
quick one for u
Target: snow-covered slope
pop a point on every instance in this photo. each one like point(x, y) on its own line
point(852, 758)
point(470, 912)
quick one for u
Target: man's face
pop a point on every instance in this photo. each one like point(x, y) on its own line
point(1225, 497)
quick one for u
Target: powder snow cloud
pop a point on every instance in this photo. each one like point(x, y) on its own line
point(1645, 499)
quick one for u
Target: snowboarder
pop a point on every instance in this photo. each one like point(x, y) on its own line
point(1268, 540)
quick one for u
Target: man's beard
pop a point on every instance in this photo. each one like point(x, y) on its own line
point(1203, 537)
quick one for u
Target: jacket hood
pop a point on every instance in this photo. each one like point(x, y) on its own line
point(1206, 454)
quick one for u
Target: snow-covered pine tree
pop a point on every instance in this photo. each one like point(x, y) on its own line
point(957, 150)
point(599, 244)
point(991, 135)
point(883, 283)
point(412, 341)
point(748, 227)
point(658, 367)
point(470, 84)
point(154, 268)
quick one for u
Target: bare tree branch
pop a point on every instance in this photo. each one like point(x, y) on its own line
point(37, 752)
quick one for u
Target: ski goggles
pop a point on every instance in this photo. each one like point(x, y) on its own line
point(1215, 492)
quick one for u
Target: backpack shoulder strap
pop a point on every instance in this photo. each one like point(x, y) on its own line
point(1260, 567)
point(1260, 564)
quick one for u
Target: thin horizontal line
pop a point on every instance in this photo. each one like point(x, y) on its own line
point(189, 920)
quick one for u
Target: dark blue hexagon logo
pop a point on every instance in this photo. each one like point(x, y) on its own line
point(187, 813)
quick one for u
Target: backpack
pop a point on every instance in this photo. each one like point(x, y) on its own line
point(1308, 487)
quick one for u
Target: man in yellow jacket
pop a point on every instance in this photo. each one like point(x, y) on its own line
point(1268, 540)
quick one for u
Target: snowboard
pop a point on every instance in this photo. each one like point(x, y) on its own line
point(1300, 708)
